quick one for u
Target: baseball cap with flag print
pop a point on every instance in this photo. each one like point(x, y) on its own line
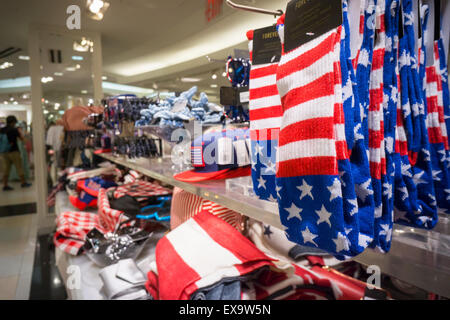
point(219, 154)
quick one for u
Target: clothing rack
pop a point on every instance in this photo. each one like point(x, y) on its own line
point(254, 9)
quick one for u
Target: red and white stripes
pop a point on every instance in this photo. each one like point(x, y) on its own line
point(306, 79)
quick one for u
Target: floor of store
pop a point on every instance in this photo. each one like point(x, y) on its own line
point(18, 236)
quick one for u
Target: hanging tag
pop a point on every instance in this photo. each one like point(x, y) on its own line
point(242, 155)
point(308, 19)
point(266, 46)
point(225, 151)
point(244, 97)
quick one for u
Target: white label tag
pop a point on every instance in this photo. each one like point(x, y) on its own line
point(225, 151)
point(249, 144)
point(179, 105)
point(241, 150)
point(244, 96)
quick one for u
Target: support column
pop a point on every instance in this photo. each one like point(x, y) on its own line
point(97, 68)
point(38, 126)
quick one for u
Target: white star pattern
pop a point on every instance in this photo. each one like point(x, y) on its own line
point(341, 242)
point(404, 190)
point(305, 188)
point(358, 135)
point(270, 168)
point(406, 110)
point(363, 58)
point(294, 212)
point(308, 236)
point(387, 231)
point(388, 190)
point(427, 155)
point(378, 212)
point(347, 231)
point(278, 189)
point(406, 171)
point(433, 198)
point(418, 178)
point(335, 190)
point(261, 183)
point(363, 191)
point(258, 150)
point(324, 216)
point(354, 203)
point(424, 219)
point(364, 240)
point(436, 174)
point(271, 198)
point(389, 144)
point(447, 191)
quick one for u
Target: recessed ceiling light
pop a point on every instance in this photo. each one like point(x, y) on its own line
point(46, 79)
point(15, 102)
point(5, 102)
point(190, 79)
point(11, 99)
point(224, 74)
point(25, 96)
point(57, 105)
point(214, 76)
point(91, 101)
point(97, 8)
point(78, 66)
point(45, 111)
point(6, 65)
point(46, 101)
point(24, 57)
point(58, 74)
point(214, 86)
point(84, 91)
point(104, 78)
point(77, 58)
point(71, 69)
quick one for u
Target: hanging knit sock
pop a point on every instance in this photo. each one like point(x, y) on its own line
point(418, 191)
point(380, 118)
point(265, 120)
point(310, 191)
point(365, 190)
point(359, 209)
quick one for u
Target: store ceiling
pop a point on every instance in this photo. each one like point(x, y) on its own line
point(144, 41)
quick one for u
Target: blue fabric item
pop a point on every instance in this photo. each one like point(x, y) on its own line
point(263, 168)
point(366, 198)
point(224, 290)
point(414, 193)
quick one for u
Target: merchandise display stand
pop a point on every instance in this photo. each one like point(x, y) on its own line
point(418, 257)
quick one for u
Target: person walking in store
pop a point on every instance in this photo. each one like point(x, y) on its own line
point(12, 156)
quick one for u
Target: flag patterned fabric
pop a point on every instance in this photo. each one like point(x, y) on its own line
point(185, 205)
point(414, 191)
point(265, 120)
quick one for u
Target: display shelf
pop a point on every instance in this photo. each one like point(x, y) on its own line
point(418, 257)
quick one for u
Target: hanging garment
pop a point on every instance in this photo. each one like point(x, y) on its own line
point(313, 146)
point(414, 191)
point(265, 121)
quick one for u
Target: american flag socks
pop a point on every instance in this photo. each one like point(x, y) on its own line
point(414, 194)
point(436, 121)
point(312, 142)
point(265, 119)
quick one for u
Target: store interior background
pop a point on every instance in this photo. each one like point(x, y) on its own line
point(148, 47)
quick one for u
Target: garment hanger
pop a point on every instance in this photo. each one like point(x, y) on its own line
point(254, 9)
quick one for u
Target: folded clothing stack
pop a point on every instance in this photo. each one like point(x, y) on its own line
point(174, 110)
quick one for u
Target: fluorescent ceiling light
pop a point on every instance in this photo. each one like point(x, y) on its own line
point(6, 65)
point(46, 79)
point(24, 57)
point(190, 79)
point(84, 91)
point(214, 86)
point(104, 78)
point(71, 69)
point(45, 111)
point(77, 58)
point(58, 74)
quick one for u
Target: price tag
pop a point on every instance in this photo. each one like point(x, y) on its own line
point(244, 97)
point(266, 46)
point(225, 151)
point(242, 155)
point(308, 19)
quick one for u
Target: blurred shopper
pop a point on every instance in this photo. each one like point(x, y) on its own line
point(12, 156)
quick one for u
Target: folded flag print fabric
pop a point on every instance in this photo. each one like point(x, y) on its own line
point(183, 257)
point(265, 120)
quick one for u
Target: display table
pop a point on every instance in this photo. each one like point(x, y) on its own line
point(418, 257)
point(81, 270)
